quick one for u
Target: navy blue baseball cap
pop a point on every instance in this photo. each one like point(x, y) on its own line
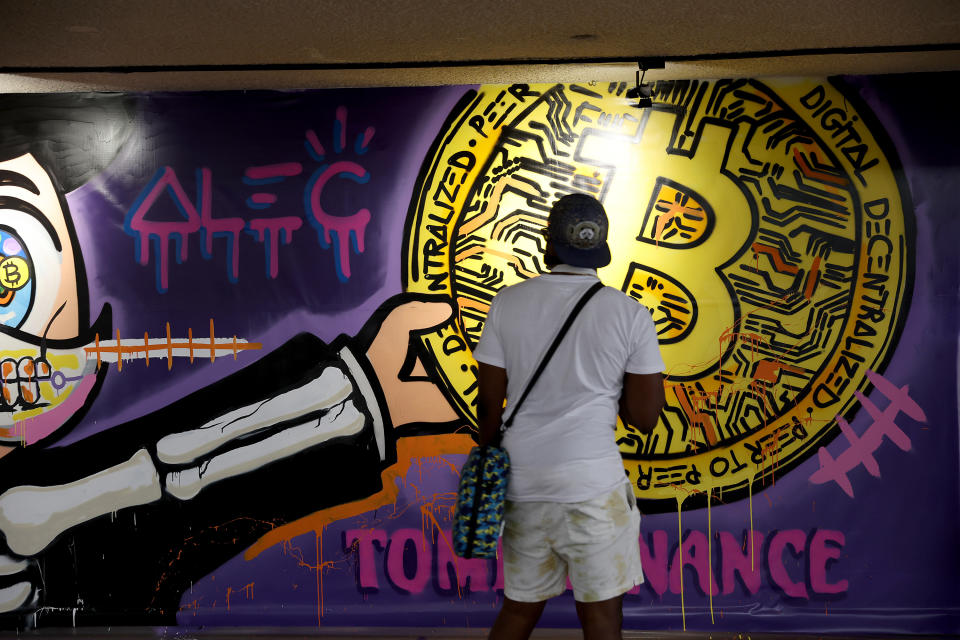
point(577, 227)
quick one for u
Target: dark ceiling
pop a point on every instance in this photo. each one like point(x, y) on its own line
point(52, 45)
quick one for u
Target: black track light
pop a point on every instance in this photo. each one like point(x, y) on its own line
point(642, 92)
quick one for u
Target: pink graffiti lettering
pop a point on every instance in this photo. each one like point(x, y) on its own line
point(315, 144)
point(741, 560)
point(339, 231)
point(270, 231)
point(498, 583)
point(263, 198)
point(366, 555)
point(163, 231)
point(820, 555)
point(404, 541)
point(861, 448)
point(795, 539)
point(269, 171)
point(341, 128)
point(694, 554)
point(407, 562)
point(211, 227)
point(196, 217)
point(472, 574)
point(655, 564)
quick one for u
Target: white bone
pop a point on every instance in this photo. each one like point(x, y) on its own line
point(10, 566)
point(31, 517)
point(328, 390)
point(188, 483)
point(366, 390)
point(14, 596)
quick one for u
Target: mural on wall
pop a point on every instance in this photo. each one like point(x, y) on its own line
point(235, 350)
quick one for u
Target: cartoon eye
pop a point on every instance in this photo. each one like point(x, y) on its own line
point(16, 280)
point(28, 257)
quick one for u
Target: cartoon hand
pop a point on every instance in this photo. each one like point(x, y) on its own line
point(322, 408)
point(411, 394)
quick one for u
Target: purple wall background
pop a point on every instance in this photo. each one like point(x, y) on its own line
point(900, 554)
point(228, 132)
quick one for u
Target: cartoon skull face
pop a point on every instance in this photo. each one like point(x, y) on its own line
point(45, 374)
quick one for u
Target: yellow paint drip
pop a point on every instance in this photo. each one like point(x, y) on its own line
point(709, 555)
point(750, 501)
point(683, 607)
point(711, 485)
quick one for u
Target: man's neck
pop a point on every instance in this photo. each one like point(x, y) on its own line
point(569, 270)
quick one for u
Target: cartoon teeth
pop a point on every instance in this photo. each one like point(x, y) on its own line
point(20, 381)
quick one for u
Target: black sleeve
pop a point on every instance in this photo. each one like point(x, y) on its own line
point(132, 567)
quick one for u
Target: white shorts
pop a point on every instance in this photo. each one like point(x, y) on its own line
point(595, 542)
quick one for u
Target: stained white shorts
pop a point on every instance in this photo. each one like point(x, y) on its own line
point(595, 543)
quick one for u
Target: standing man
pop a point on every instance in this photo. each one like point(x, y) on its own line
point(570, 509)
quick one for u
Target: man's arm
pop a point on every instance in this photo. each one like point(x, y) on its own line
point(491, 393)
point(641, 400)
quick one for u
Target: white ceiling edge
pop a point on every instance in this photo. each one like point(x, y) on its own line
point(792, 66)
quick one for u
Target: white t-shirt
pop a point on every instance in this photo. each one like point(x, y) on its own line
point(562, 444)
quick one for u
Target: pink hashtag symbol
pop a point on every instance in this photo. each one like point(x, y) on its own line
point(861, 448)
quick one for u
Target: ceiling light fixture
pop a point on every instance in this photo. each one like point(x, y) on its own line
point(642, 92)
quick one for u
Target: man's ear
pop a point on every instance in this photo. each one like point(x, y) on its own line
point(550, 257)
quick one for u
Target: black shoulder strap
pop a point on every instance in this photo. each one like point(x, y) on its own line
point(553, 347)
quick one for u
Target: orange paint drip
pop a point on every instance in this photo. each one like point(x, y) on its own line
point(213, 345)
point(408, 450)
point(246, 591)
point(426, 515)
point(96, 344)
point(146, 347)
point(189, 343)
point(169, 349)
point(119, 355)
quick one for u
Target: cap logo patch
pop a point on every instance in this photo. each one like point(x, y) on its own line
point(584, 235)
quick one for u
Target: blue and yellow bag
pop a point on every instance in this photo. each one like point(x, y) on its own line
point(480, 499)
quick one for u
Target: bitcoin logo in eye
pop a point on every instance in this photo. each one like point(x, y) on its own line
point(761, 224)
point(14, 273)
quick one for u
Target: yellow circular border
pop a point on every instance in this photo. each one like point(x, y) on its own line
point(458, 160)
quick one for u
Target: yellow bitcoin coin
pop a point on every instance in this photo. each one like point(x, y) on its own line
point(14, 273)
point(760, 223)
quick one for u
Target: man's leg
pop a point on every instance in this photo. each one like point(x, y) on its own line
point(601, 620)
point(516, 620)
